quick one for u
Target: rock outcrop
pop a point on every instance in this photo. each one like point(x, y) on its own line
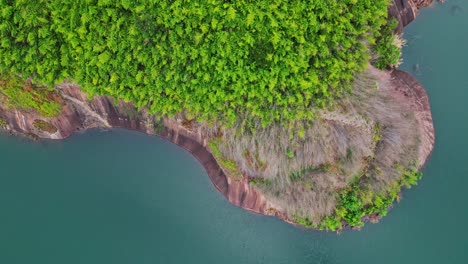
point(404, 11)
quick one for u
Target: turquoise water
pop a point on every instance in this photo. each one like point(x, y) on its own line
point(123, 197)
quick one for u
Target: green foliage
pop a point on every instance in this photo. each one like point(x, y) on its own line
point(303, 221)
point(44, 126)
point(290, 154)
point(331, 223)
point(410, 177)
point(388, 53)
point(380, 204)
point(3, 123)
point(377, 133)
point(18, 94)
point(257, 181)
point(350, 207)
point(228, 165)
point(267, 59)
point(158, 126)
point(357, 201)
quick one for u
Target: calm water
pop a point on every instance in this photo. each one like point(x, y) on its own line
point(122, 197)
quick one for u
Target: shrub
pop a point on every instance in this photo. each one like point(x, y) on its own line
point(350, 207)
point(158, 126)
point(19, 94)
point(331, 223)
point(228, 165)
point(410, 177)
point(353, 205)
point(3, 123)
point(303, 221)
point(388, 46)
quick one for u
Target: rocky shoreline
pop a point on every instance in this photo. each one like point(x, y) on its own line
point(81, 113)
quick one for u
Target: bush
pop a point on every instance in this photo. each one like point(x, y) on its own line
point(410, 177)
point(386, 48)
point(19, 94)
point(352, 205)
point(331, 223)
point(158, 126)
point(303, 221)
point(257, 181)
point(3, 123)
point(228, 165)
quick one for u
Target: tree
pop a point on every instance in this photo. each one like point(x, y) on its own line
point(214, 60)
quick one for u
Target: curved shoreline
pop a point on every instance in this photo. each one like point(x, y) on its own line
point(80, 113)
point(239, 193)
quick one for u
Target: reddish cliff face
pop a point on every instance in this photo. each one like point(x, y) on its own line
point(239, 193)
point(80, 113)
point(405, 11)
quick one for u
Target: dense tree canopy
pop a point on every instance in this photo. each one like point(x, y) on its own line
point(271, 59)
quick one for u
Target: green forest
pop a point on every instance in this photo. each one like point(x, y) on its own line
point(212, 60)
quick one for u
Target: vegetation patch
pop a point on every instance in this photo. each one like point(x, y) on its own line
point(19, 94)
point(3, 123)
point(388, 46)
point(158, 126)
point(258, 181)
point(229, 166)
point(130, 111)
point(377, 133)
point(357, 201)
point(44, 126)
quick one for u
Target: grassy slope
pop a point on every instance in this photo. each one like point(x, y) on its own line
point(352, 161)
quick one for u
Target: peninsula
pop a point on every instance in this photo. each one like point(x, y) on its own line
point(294, 110)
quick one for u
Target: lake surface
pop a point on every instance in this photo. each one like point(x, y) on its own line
point(122, 197)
